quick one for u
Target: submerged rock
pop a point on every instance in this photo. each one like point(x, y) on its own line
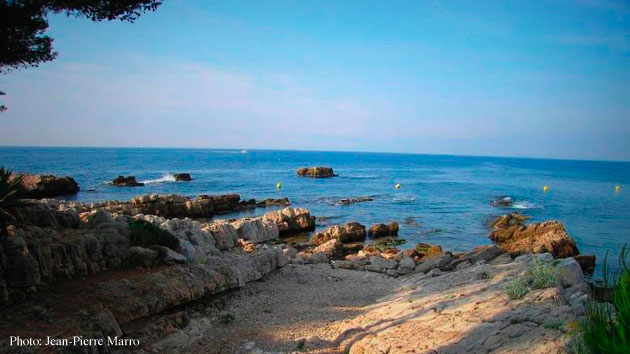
point(46, 186)
point(316, 172)
point(349, 201)
point(351, 232)
point(516, 238)
point(130, 181)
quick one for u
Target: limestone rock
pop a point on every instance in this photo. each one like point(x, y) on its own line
point(486, 253)
point(437, 261)
point(225, 235)
point(256, 229)
point(516, 238)
point(383, 263)
point(333, 249)
point(291, 220)
point(316, 172)
point(405, 266)
point(351, 232)
point(141, 257)
point(570, 272)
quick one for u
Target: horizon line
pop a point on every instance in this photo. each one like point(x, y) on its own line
point(307, 150)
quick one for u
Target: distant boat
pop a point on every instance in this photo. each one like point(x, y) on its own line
point(243, 151)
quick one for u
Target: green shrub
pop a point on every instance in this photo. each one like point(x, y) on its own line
point(540, 275)
point(606, 327)
point(516, 289)
point(145, 234)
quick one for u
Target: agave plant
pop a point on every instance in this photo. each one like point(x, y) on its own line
point(9, 188)
point(606, 327)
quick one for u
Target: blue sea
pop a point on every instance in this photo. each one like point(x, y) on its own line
point(442, 199)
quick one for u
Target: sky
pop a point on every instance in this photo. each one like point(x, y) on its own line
point(547, 79)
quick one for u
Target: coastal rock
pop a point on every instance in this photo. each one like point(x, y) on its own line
point(570, 272)
point(383, 263)
point(437, 261)
point(316, 172)
point(516, 238)
point(195, 242)
point(586, 262)
point(182, 177)
point(349, 201)
point(256, 230)
point(130, 181)
point(21, 269)
point(351, 232)
point(46, 186)
point(485, 253)
point(333, 249)
point(502, 201)
point(225, 235)
point(273, 202)
point(141, 257)
point(291, 220)
point(382, 230)
point(406, 266)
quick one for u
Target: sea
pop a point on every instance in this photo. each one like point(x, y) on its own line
point(440, 199)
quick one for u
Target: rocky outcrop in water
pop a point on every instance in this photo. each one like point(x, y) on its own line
point(351, 232)
point(316, 172)
point(382, 230)
point(516, 238)
point(182, 177)
point(348, 201)
point(126, 181)
point(46, 186)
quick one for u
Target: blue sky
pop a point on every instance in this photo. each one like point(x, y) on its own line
point(521, 78)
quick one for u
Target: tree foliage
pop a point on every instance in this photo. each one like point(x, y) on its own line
point(23, 25)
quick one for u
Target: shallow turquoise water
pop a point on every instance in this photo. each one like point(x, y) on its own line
point(449, 193)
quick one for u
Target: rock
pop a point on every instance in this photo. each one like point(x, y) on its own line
point(291, 220)
point(502, 201)
point(316, 258)
point(569, 272)
point(182, 177)
point(46, 186)
point(273, 202)
point(351, 232)
point(405, 266)
point(586, 262)
point(486, 253)
point(383, 263)
point(333, 249)
point(225, 235)
point(437, 261)
point(382, 230)
point(316, 172)
point(290, 252)
point(169, 256)
point(130, 181)
point(428, 250)
point(502, 259)
point(195, 242)
point(516, 238)
point(256, 230)
point(21, 269)
point(95, 218)
point(141, 257)
point(349, 201)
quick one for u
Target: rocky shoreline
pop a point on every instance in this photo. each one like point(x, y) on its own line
point(153, 268)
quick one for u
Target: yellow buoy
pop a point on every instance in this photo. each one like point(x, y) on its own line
point(617, 188)
point(278, 185)
point(397, 186)
point(545, 189)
